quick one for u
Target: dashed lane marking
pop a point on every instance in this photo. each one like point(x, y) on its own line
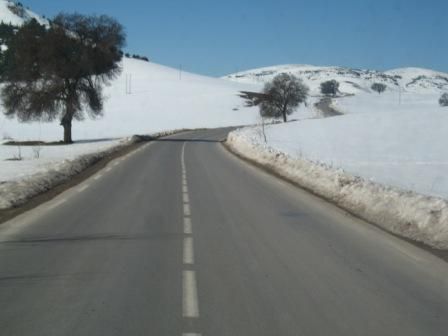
point(187, 210)
point(188, 228)
point(188, 251)
point(190, 307)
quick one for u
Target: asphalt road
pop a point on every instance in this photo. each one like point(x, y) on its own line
point(182, 238)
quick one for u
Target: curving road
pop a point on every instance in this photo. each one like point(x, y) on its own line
point(182, 238)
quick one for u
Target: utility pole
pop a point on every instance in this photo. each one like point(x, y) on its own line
point(180, 72)
point(128, 84)
point(399, 95)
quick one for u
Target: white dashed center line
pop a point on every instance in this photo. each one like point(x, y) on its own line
point(187, 226)
point(190, 305)
point(188, 251)
point(187, 210)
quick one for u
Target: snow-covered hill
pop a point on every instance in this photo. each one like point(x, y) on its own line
point(16, 14)
point(147, 98)
point(352, 81)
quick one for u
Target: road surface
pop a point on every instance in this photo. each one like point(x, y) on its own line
point(182, 238)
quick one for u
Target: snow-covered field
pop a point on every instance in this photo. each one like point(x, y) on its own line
point(397, 138)
point(405, 150)
point(37, 159)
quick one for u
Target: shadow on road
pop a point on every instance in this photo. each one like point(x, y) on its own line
point(189, 140)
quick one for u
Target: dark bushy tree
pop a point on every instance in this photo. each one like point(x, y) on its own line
point(282, 95)
point(379, 87)
point(443, 101)
point(330, 87)
point(59, 72)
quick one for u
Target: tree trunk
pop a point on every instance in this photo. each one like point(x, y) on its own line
point(66, 122)
point(285, 119)
point(284, 109)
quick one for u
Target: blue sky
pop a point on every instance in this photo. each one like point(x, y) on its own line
point(220, 37)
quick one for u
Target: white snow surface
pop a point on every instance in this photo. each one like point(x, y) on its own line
point(404, 148)
point(409, 214)
point(17, 16)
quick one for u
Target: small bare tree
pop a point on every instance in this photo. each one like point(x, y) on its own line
point(330, 88)
point(443, 101)
point(378, 87)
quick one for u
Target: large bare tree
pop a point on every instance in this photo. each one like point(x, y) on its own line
point(59, 71)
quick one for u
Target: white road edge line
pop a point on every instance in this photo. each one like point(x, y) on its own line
point(403, 251)
point(84, 187)
point(57, 203)
point(184, 189)
point(98, 176)
point(191, 334)
point(190, 305)
point(186, 198)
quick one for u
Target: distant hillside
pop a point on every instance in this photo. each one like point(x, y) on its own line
point(16, 14)
point(352, 81)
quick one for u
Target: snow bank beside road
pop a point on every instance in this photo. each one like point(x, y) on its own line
point(16, 192)
point(38, 159)
point(421, 218)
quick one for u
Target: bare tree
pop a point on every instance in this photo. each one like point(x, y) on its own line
point(379, 87)
point(330, 87)
point(443, 101)
point(59, 72)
